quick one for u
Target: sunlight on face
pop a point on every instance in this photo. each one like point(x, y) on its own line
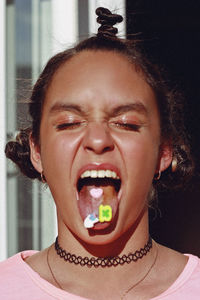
point(99, 111)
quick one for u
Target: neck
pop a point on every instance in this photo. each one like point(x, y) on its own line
point(126, 276)
point(103, 261)
point(66, 274)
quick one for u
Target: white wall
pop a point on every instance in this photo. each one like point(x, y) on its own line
point(64, 24)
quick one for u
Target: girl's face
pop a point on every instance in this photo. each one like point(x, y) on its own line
point(100, 114)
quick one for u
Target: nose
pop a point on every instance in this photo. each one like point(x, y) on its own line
point(98, 139)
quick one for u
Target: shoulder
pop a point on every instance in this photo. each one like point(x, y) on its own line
point(182, 275)
point(20, 279)
point(13, 275)
point(15, 263)
point(192, 271)
point(187, 285)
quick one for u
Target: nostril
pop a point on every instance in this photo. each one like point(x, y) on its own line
point(99, 143)
point(108, 148)
point(100, 149)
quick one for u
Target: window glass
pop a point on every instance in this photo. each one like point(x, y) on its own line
point(30, 209)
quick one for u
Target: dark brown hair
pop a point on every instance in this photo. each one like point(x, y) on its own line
point(169, 101)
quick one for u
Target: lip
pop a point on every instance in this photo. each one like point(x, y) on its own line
point(96, 166)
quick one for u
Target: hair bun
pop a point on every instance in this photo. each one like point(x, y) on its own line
point(19, 152)
point(107, 20)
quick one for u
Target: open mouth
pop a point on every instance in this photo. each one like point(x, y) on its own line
point(98, 197)
point(99, 182)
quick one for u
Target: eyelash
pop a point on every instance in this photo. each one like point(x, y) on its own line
point(127, 126)
point(65, 126)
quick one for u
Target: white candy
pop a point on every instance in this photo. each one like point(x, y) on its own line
point(90, 220)
point(96, 192)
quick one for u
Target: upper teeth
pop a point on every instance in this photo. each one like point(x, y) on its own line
point(99, 174)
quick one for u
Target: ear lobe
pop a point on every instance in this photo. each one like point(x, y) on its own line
point(35, 155)
point(165, 157)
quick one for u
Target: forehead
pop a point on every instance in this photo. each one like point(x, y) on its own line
point(100, 78)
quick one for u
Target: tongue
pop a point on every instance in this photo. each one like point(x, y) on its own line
point(97, 204)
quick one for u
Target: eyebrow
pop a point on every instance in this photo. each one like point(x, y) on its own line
point(59, 107)
point(137, 106)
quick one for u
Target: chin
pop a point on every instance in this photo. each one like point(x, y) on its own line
point(103, 236)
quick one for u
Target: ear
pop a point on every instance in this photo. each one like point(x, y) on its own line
point(35, 155)
point(165, 157)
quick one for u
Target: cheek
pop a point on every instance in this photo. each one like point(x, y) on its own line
point(140, 159)
point(140, 154)
point(58, 151)
point(139, 148)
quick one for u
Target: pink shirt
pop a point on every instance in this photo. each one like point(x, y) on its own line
point(19, 282)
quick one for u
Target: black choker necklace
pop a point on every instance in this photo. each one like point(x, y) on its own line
point(103, 261)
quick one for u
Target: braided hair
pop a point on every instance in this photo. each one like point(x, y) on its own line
point(169, 101)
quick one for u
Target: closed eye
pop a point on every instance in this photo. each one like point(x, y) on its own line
point(127, 126)
point(68, 126)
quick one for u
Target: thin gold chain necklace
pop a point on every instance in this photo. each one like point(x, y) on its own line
point(123, 296)
point(143, 277)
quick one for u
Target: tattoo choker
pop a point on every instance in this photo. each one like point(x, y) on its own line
point(103, 261)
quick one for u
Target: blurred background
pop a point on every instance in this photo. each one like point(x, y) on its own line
point(31, 31)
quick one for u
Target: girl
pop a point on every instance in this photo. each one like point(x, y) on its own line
point(106, 133)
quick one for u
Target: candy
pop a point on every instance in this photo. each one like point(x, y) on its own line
point(98, 201)
point(105, 213)
point(96, 192)
point(90, 220)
